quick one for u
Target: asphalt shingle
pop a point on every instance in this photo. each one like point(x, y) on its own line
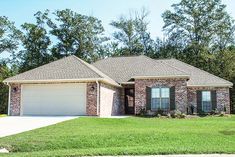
point(198, 77)
point(122, 69)
point(118, 70)
point(68, 68)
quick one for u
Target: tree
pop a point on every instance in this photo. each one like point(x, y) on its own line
point(5, 72)
point(202, 24)
point(167, 48)
point(9, 36)
point(76, 34)
point(141, 27)
point(132, 37)
point(35, 42)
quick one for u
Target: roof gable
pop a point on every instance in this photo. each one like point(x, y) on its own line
point(68, 68)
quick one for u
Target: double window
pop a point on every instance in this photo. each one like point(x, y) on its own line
point(206, 101)
point(160, 98)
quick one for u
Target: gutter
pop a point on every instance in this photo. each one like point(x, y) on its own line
point(63, 81)
point(156, 77)
point(212, 85)
point(127, 83)
point(9, 100)
point(98, 98)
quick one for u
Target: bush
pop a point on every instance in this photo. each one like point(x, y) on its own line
point(172, 114)
point(222, 114)
point(214, 112)
point(160, 111)
point(177, 114)
point(143, 111)
point(192, 108)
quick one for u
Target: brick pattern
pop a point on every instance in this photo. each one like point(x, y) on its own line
point(111, 100)
point(184, 96)
point(91, 106)
point(15, 99)
point(180, 92)
point(223, 99)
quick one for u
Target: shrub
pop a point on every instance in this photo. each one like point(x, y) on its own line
point(143, 111)
point(172, 114)
point(192, 109)
point(222, 114)
point(182, 115)
point(214, 112)
point(177, 114)
point(158, 115)
point(160, 111)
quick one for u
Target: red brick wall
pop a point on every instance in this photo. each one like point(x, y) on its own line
point(180, 92)
point(15, 95)
point(222, 97)
point(91, 104)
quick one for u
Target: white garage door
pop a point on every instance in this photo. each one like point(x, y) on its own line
point(54, 99)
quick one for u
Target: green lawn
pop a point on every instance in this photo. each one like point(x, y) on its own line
point(3, 115)
point(99, 136)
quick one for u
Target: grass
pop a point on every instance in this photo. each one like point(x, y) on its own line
point(130, 136)
point(3, 115)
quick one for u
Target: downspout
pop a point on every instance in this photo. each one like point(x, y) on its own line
point(98, 98)
point(9, 100)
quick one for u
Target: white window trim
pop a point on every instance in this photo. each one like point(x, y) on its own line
point(206, 101)
point(160, 97)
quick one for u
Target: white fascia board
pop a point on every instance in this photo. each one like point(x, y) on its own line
point(156, 77)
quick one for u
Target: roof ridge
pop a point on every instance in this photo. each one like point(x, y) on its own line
point(93, 68)
point(167, 64)
point(86, 64)
point(123, 56)
point(200, 70)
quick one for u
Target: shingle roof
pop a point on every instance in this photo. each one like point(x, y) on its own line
point(119, 69)
point(122, 69)
point(68, 68)
point(198, 77)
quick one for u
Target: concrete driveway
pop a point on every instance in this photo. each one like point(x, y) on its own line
point(14, 125)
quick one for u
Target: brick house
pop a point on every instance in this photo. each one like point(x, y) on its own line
point(116, 86)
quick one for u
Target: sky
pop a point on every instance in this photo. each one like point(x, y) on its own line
point(21, 11)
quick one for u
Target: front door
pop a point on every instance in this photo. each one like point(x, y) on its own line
point(129, 100)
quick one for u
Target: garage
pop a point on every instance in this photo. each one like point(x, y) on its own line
point(67, 99)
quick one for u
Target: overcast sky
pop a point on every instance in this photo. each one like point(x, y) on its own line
point(21, 11)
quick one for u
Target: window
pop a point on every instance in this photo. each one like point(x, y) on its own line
point(160, 98)
point(206, 101)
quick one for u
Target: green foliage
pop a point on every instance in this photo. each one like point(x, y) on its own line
point(132, 36)
point(8, 35)
point(35, 41)
point(129, 136)
point(4, 73)
point(201, 33)
point(201, 27)
point(77, 34)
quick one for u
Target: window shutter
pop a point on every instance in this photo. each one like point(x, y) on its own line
point(213, 99)
point(148, 98)
point(199, 101)
point(172, 98)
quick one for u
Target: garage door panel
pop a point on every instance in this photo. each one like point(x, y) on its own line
point(54, 99)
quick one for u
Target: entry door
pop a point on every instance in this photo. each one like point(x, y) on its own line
point(129, 100)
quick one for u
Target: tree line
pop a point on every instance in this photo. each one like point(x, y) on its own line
point(198, 32)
